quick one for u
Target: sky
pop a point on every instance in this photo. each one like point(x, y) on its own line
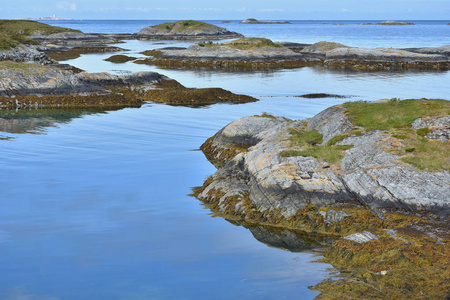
point(229, 9)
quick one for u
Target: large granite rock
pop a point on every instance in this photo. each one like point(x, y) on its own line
point(368, 176)
point(26, 54)
point(187, 29)
point(40, 80)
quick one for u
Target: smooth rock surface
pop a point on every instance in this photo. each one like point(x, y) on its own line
point(362, 237)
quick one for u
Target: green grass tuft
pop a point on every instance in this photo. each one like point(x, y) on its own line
point(394, 113)
point(308, 142)
point(245, 44)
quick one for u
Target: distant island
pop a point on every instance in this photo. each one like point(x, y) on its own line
point(254, 21)
point(388, 23)
point(52, 18)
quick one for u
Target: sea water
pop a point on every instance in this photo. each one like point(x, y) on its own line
point(95, 204)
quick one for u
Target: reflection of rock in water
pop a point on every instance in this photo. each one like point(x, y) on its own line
point(34, 121)
point(289, 240)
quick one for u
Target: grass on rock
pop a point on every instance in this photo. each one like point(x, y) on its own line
point(16, 32)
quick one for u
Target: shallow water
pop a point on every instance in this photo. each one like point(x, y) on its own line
point(95, 205)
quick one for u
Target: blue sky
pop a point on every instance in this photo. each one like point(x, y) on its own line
point(230, 9)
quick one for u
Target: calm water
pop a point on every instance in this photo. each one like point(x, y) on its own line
point(95, 205)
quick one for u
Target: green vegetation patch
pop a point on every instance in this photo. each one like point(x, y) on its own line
point(21, 66)
point(394, 113)
point(16, 32)
point(245, 43)
point(396, 117)
point(181, 26)
point(308, 142)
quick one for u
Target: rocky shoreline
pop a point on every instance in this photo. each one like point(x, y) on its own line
point(330, 175)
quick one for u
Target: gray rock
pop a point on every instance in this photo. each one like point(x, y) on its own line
point(439, 128)
point(42, 80)
point(74, 38)
point(27, 54)
point(362, 237)
point(332, 216)
point(382, 55)
point(368, 174)
point(331, 122)
point(224, 52)
point(442, 50)
point(321, 47)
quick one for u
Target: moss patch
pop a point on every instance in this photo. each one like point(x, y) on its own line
point(181, 26)
point(120, 59)
point(174, 63)
point(114, 100)
point(362, 65)
point(245, 44)
point(395, 117)
point(173, 93)
point(308, 142)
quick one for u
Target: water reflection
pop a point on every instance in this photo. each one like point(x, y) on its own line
point(291, 240)
point(35, 121)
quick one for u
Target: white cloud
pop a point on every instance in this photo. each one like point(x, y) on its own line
point(64, 5)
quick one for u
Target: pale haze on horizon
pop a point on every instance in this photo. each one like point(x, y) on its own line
point(229, 10)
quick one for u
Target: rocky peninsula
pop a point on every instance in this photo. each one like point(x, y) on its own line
point(376, 175)
point(254, 21)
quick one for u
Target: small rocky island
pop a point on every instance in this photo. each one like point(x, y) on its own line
point(244, 53)
point(260, 53)
point(376, 176)
point(188, 29)
point(254, 21)
point(389, 23)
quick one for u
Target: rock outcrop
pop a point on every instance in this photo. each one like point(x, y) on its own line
point(368, 175)
point(186, 30)
point(254, 21)
point(74, 38)
point(384, 59)
point(258, 53)
point(27, 54)
point(23, 85)
point(247, 53)
point(389, 221)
